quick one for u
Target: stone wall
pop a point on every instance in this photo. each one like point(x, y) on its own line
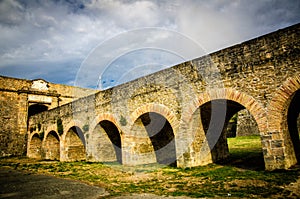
point(16, 97)
point(246, 76)
point(11, 142)
point(246, 124)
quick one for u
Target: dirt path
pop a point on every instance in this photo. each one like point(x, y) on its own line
point(19, 185)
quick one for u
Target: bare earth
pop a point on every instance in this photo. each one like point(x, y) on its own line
point(19, 185)
point(22, 185)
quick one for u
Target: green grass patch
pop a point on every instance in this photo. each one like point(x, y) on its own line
point(241, 176)
point(245, 152)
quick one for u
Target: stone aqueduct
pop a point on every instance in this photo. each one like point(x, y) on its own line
point(176, 116)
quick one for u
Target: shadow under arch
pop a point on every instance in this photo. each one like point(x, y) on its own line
point(221, 99)
point(74, 145)
point(217, 145)
point(155, 139)
point(105, 141)
point(35, 147)
point(100, 148)
point(159, 109)
point(36, 108)
point(217, 141)
point(256, 109)
point(51, 146)
point(293, 123)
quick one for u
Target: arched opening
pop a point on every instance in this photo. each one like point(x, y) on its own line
point(35, 147)
point(237, 151)
point(242, 124)
point(107, 142)
point(293, 123)
point(36, 108)
point(75, 145)
point(51, 147)
point(161, 135)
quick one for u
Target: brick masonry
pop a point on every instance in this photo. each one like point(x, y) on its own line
point(195, 99)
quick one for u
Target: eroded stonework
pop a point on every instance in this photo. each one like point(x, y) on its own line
point(20, 98)
point(246, 124)
point(179, 116)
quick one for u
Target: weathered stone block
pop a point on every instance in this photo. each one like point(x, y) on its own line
point(276, 143)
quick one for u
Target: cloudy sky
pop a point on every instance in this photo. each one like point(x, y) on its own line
point(59, 40)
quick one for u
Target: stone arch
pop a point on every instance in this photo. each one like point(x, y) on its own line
point(51, 146)
point(49, 129)
point(70, 125)
point(280, 102)
point(255, 108)
point(104, 116)
point(156, 108)
point(35, 146)
point(199, 149)
point(152, 128)
point(278, 126)
point(105, 139)
point(74, 144)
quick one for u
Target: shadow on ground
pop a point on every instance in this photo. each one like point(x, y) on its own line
point(252, 161)
point(20, 185)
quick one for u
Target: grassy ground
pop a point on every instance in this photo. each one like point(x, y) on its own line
point(245, 152)
point(241, 176)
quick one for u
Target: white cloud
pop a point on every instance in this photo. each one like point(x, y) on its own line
point(130, 14)
point(209, 24)
point(60, 34)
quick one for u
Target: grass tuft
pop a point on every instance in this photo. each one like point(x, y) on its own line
point(241, 176)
